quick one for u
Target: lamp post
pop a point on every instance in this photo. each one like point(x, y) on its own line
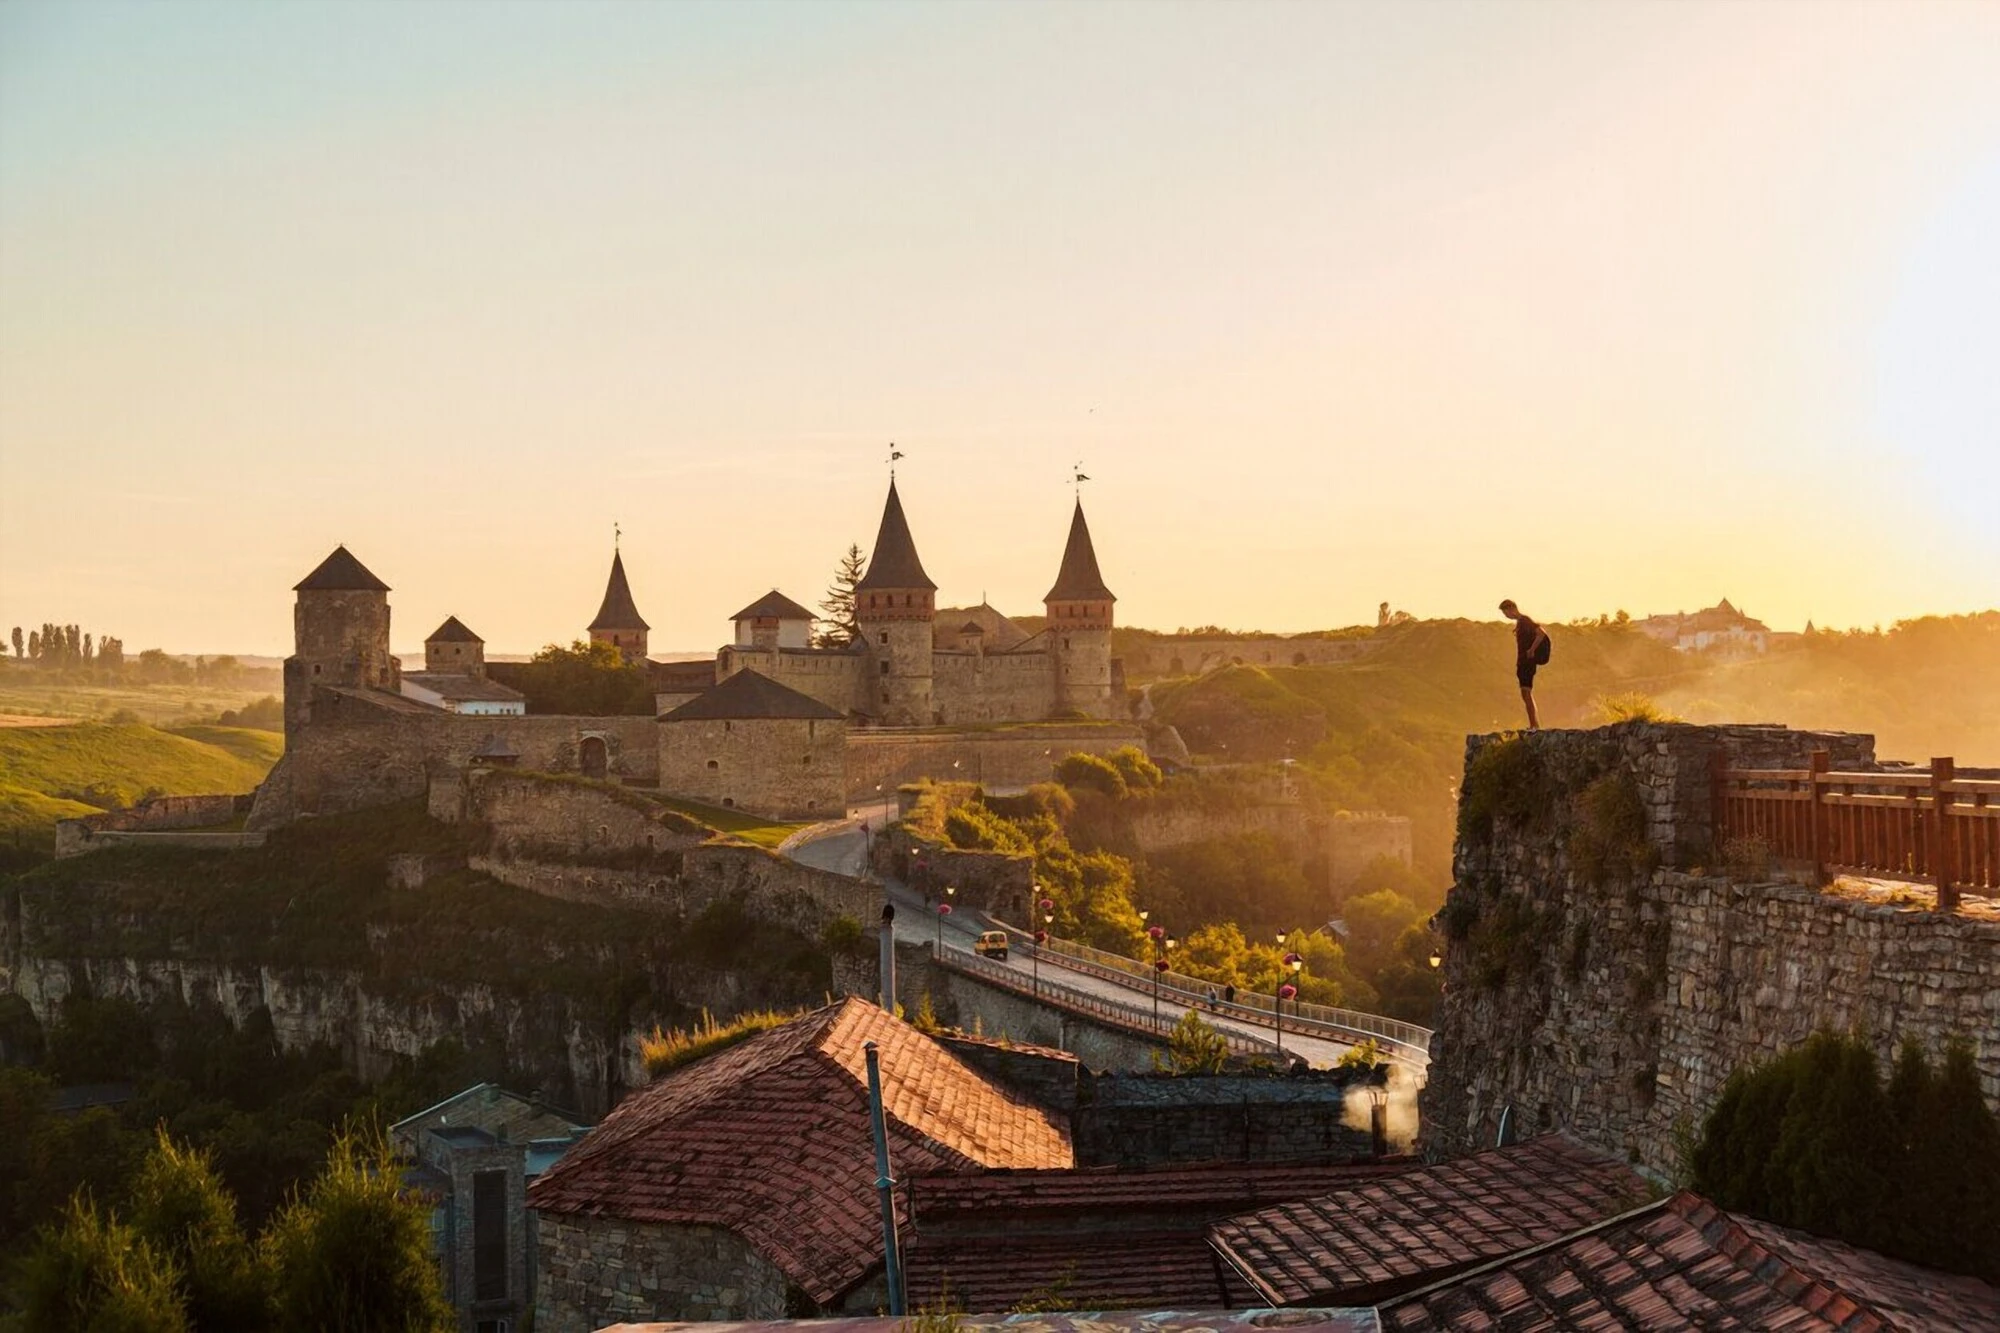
point(1156, 934)
point(1047, 908)
point(943, 911)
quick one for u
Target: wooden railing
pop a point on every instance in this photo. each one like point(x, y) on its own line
point(1925, 825)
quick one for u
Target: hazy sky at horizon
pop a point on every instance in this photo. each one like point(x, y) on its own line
point(1594, 305)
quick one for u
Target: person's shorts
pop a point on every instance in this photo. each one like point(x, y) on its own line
point(1525, 673)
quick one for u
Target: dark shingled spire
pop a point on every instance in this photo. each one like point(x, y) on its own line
point(893, 563)
point(1079, 581)
point(618, 611)
point(340, 572)
point(453, 631)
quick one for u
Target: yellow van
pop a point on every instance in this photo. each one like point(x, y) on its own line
point(992, 944)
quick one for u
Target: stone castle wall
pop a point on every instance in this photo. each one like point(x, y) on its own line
point(1148, 657)
point(974, 688)
point(783, 768)
point(360, 749)
point(1615, 1003)
point(880, 760)
point(1353, 840)
point(836, 679)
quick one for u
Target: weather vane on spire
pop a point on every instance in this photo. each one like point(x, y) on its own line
point(1081, 477)
point(616, 534)
point(894, 454)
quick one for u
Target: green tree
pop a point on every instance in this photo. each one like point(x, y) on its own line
point(352, 1254)
point(180, 1208)
point(1375, 922)
point(1195, 1047)
point(20, 649)
point(1132, 763)
point(91, 1271)
point(583, 680)
point(837, 625)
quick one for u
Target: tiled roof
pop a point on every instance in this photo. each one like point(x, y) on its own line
point(340, 572)
point(453, 631)
point(773, 605)
point(751, 695)
point(1098, 1237)
point(617, 610)
point(1063, 1321)
point(1386, 1236)
point(1001, 633)
point(973, 627)
point(770, 1139)
point(1078, 579)
point(462, 688)
point(893, 563)
point(1683, 1263)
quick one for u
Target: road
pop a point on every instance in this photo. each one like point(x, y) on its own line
point(843, 849)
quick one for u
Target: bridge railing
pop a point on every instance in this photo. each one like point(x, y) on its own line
point(1923, 825)
point(1131, 1017)
point(1406, 1041)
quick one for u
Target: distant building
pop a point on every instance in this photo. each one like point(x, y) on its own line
point(618, 622)
point(475, 1154)
point(1720, 628)
point(752, 744)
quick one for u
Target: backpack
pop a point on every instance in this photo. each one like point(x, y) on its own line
point(1542, 649)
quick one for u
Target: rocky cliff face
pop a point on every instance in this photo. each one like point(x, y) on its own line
point(1605, 975)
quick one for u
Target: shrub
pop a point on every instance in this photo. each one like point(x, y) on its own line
point(1609, 841)
point(1195, 1047)
point(668, 1050)
point(1139, 772)
point(180, 1207)
point(1629, 706)
point(1091, 773)
point(92, 1271)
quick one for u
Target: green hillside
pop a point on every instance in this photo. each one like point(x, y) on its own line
point(47, 773)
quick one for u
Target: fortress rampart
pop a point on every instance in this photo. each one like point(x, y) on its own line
point(1605, 970)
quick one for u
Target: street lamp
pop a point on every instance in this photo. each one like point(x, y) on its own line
point(1288, 991)
point(944, 910)
point(1047, 907)
point(1156, 934)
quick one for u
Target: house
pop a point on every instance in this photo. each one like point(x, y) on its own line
point(743, 1186)
point(474, 1154)
point(472, 695)
point(753, 744)
point(1385, 1237)
point(1720, 628)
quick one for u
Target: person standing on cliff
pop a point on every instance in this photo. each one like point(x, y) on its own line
point(1529, 653)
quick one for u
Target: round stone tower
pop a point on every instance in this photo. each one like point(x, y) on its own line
point(895, 603)
point(1079, 607)
point(340, 635)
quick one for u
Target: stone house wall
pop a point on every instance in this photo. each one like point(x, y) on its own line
point(1147, 1119)
point(1616, 1004)
point(600, 1270)
point(783, 768)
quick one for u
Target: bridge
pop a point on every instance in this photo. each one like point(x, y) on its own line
point(1110, 988)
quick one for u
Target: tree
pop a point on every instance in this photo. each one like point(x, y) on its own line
point(352, 1255)
point(837, 626)
point(180, 1208)
point(1195, 1047)
point(95, 1272)
point(20, 649)
point(35, 645)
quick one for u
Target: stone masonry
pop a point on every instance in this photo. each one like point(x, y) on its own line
point(1608, 982)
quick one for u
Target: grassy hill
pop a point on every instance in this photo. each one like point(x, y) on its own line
point(48, 773)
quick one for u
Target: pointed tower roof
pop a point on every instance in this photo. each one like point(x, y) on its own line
point(617, 611)
point(453, 631)
point(893, 563)
point(1078, 580)
point(340, 572)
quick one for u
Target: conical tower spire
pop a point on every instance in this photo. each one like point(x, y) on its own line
point(618, 622)
point(893, 562)
point(1078, 579)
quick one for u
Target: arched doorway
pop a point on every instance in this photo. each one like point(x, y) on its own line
point(593, 757)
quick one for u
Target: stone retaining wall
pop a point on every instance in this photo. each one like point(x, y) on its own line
point(1614, 999)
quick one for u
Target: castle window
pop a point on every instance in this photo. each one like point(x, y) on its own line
point(885, 639)
point(729, 802)
point(885, 668)
point(906, 599)
point(713, 765)
point(807, 761)
point(1065, 645)
point(885, 696)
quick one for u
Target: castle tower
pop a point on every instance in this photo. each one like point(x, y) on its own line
point(618, 622)
point(894, 604)
point(1079, 607)
point(454, 648)
point(340, 635)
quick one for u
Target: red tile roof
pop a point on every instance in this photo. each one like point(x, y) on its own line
point(1065, 1321)
point(1683, 1263)
point(1097, 1238)
point(770, 1139)
point(1386, 1236)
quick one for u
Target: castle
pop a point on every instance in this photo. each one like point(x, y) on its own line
point(774, 724)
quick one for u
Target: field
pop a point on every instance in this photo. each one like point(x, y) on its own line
point(23, 694)
point(57, 772)
point(750, 828)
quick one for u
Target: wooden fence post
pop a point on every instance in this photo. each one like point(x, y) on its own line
point(1943, 847)
point(1819, 763)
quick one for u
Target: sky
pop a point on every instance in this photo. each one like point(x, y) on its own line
point(1592, 305)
